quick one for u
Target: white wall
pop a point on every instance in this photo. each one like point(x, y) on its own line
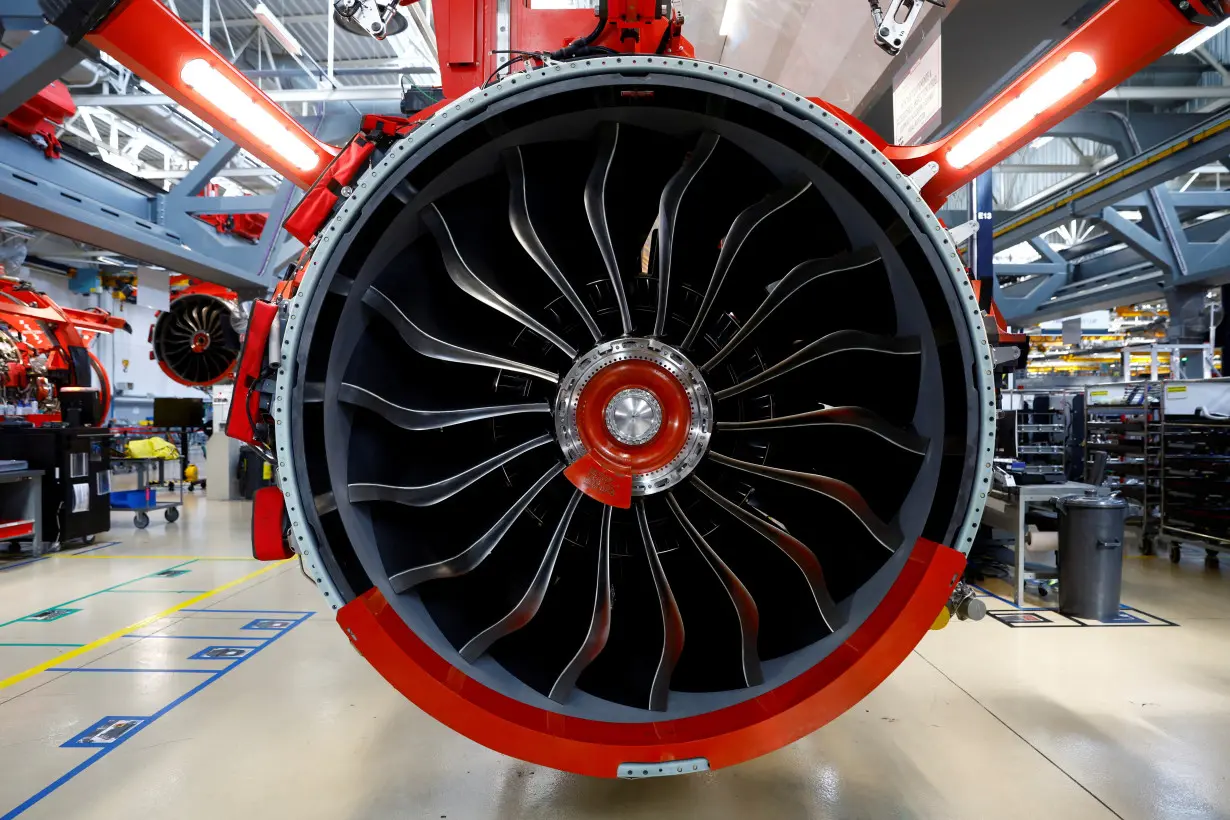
point(146, 376)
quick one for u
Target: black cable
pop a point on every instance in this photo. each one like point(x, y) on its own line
point(506, 64)
point(666, 39)
point(571, 50)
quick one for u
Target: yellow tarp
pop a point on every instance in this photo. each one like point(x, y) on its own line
point(152, 447)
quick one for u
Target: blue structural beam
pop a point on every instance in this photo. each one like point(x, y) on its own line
point(74, 201)
point(1164, 251)
point(1206, 142)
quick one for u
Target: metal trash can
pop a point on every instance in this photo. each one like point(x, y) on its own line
point(1091, 555)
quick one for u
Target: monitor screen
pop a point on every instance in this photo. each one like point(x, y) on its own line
point(179, 412)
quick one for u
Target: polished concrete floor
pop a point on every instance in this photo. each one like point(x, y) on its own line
point(286, 721)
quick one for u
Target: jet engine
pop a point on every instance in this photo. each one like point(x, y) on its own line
point(196, 341)
point(623, 409)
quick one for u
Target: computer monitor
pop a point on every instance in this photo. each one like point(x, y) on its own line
point(170, 412)
point(80, 406)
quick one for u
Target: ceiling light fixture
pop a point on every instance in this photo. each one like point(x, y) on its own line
point(1048, 90)
point(279, 32)
point(728, 17)
point(248, 114)
point(1201, 37)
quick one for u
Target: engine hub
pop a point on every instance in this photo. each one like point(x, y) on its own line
point(594, 413)
point(634, 416)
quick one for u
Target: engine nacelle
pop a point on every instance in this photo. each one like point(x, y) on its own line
point(625, 409)
point(196, 341)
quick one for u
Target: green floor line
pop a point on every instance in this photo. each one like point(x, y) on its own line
point(43, 644)
point(92, 594)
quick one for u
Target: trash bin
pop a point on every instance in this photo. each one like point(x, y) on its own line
point(1091, 555)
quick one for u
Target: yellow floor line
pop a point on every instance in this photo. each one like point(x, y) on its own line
point(161, 557)
point(141, 624)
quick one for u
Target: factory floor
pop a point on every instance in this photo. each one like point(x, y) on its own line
point(983, 720)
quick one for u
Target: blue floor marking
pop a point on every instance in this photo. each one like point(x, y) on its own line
point(102, 752)
point(197, 638)
point(134, 669)
point(91, 549)
point(26, 562)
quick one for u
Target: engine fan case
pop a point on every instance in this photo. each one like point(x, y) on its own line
point(462, 695)
point(195, 341)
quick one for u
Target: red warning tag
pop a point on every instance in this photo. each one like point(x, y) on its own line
point(598, 481)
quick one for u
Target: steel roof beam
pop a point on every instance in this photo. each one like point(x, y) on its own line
point(73, 201)
point(1205, 143)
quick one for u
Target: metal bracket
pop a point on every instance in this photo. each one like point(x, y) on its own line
point(1217, 16)
point(961, 233)
point(891, 31)
point(638, 771)
point(925, 174)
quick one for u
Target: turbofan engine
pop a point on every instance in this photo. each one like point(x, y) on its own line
point(623, 410)
point(197, 340)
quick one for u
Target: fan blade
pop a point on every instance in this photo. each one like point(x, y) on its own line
point(527, 607)
point(841, 341)
point(473, 555)
point(434, 493)
point(740, 598)
point(740, 230)
point(858, 417)
point(668, 213)
point(410, 419)
point(465, 278)
point(887, 534)
point(802, 275)
point(523, 229)
point(672, 621)
point(435, 348)
point(595, 209)
point(599, 622)
point(793, 548)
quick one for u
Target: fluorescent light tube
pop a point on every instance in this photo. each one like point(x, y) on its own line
point(274, 26)
point(248, 114)
point(1048, 90)
point(1201, 37)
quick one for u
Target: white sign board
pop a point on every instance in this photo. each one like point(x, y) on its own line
point(916, 97)
point(221, 394)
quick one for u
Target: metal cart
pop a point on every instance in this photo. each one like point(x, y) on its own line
point(144, 499)
point(1195, 496)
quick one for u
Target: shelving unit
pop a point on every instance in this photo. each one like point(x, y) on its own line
point(1195, 498)
point(1123, 421)
point(1040, 436)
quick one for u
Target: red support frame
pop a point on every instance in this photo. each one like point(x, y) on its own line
point(1122, 38)
point(150, 39)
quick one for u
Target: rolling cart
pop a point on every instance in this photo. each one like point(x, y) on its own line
point(144, 499)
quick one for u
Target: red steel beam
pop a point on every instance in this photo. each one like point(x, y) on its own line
point(1124, 37)
point(150, 39)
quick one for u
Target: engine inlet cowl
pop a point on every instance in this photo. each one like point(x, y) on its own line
point(641, 393)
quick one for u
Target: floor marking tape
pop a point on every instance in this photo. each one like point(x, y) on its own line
point(59, 660)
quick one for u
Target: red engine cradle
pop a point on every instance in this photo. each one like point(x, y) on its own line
point(726, 737)
point(63, 334)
